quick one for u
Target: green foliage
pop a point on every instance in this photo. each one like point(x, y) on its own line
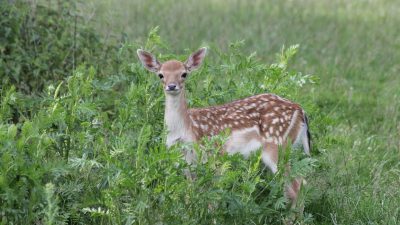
point(39, 44)
point(92, 150)
point(52, 207)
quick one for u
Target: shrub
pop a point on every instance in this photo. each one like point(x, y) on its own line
point(39, 44)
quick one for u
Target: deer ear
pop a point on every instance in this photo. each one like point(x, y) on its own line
point(149, 61)
point(195, 59)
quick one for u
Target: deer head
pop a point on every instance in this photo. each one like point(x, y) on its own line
point(172, 73)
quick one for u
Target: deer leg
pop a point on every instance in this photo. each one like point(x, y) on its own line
point(270, 159)
point(292, 190)
point(270, 156)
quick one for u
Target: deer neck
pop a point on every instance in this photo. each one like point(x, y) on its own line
point(177, 119)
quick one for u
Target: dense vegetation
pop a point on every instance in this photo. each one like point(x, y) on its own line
point(81, 122)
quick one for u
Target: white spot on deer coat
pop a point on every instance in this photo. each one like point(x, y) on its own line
point(195, 123)
point(270, 114)
point(204, 126)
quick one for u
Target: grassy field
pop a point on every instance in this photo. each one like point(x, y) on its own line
point(354, 49)
point(89, 148)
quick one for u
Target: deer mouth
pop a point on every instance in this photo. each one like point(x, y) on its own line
point(172, 92)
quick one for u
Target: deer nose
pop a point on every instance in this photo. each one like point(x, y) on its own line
point(171, 87)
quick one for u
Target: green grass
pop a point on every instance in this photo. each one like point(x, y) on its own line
point(354, 49)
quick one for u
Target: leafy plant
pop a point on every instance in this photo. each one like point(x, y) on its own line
point(39, 44)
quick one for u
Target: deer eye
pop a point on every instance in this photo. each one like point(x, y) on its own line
point(160, 76)
point(184, 75)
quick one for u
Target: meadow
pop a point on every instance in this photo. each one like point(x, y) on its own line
point(81, 122)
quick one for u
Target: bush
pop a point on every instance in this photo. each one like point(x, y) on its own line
point(39, 44)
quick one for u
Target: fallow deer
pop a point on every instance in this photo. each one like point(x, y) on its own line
point(264, 121)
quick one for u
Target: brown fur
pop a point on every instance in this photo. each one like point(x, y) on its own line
point(265, 111)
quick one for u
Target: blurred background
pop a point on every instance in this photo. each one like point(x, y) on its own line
point(352, 49)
